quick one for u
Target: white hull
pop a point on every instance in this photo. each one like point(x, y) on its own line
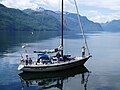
point(53, 67)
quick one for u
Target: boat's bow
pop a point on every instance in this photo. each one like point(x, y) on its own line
point(20, 67)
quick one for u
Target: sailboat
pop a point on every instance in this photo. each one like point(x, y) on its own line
point(47, 63)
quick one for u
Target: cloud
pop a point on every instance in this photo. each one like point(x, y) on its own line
point(109, 4)
point(55, 4)
point(21, 4)
point(48, 4)
point(102, 18)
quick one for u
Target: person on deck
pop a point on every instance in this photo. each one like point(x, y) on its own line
point(83, 51)
point(22, 60)
point(60, 58)
point(58, 55)
point(30, 61)
point(26, 61)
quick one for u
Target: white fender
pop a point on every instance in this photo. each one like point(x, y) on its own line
point(20, 67)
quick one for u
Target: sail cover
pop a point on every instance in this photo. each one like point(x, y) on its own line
point(50, 51)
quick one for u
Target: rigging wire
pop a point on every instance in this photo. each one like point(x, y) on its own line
point(81, 28)
point(59, 33)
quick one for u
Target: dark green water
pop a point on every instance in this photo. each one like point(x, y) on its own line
point(104, 65)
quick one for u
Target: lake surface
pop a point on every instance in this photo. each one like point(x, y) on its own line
point(104, 66)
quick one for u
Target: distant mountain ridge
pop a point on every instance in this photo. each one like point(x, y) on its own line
point(41, 19)
point(113, 26)
point(70, 20)
point(87, 25)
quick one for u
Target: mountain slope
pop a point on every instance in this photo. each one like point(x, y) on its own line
point(87, 25)
point(41, 19)
point(113, 26)
point(48, 22)
point(14, 19)
point(71, 21)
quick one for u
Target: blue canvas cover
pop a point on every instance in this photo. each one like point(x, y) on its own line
point(43, 56)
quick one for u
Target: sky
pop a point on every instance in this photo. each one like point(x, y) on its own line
point(100, 11)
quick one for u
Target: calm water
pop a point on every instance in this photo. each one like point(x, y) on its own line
point(104, 65)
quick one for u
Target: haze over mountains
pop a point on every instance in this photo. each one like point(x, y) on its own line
point(41, 19)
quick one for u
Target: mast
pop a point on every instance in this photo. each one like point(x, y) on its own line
point(62, 29)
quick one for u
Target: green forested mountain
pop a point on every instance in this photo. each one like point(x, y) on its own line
point(14, 19)
point(70, 20)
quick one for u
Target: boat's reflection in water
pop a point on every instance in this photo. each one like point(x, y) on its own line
point(49, 80)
